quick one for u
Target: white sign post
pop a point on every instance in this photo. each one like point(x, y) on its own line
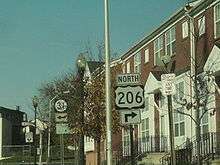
point(168, 84)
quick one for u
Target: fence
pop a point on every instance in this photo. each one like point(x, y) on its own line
point(142, 147)
point(24, 154)
point(186, 153)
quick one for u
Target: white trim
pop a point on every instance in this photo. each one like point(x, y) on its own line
point(215, 19)
point(171, 41)
point(202, 20)
point(213, 4)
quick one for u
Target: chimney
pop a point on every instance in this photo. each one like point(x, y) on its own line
point(17, 108)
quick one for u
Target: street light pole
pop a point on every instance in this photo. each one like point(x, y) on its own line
point(35, 104)
point(49, 129)
point(108, 87)
point(81, 63)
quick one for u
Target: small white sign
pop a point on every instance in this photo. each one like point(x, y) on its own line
point(168, 84)
point(61, 117)
point(128, 79)
point(62, 128)
point(61, 105)
point(29, 137)
point(128, 97)
point(130, 116)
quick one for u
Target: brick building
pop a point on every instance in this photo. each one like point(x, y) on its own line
point(188, 44)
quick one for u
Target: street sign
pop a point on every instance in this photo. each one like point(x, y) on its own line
point(128, 79)
point(62, 128)
point(130, 116)
point(61, 105)
point(128, 97)
point(60, 117)
point(29, 137)
point(168, 84)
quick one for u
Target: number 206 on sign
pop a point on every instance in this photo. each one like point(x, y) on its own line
point(128, 97)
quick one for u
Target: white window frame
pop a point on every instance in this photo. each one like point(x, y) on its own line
point(146, 55)
point(179, 119)
point(179, 93)
point(172, 40)
point(128, 66)
point(201, 25)
point(215, 21)
point(137, 63)
point(185, 29)
point(145, 132)
point(158, 48)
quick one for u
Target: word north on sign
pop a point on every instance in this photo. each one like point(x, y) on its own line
point(128, 79)
point(129, 97)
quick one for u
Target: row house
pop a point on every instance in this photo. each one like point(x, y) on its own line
point(187, 44)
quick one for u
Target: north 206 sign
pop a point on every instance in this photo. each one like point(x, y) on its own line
point(129, 97)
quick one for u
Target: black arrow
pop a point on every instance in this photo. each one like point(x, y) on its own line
point(61, 117)
point(132, 115)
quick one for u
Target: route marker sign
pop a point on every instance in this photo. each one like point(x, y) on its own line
point(129, 97)
point(60, 117)
point(29, 137)
point(130, 116)
point(60, 105)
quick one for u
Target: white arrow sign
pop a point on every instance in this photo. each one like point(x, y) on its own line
point(128, 97)
point(130, 116)
point(61, 117)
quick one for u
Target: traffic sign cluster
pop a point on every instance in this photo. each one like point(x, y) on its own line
point(61, 117)
point(129, 98)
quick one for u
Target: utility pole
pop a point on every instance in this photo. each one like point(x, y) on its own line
point(168, 89)
point(132, 145)
point(81, 64)
point(170, 114)
point(108, 87)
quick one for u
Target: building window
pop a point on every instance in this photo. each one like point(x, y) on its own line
point(158, 50)
point(128, 67)
point(217, 20)
point(204, 122)
point(146, 55)
point(179, 124)
point(126, 142)
point(144, 134)
point(179, 92)
point(185, 29)
point(170, 41)
point(201, 25)
point(137, 63)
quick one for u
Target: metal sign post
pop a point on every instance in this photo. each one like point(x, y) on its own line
point(61, 124)
point(129, 100)
point(168, 89)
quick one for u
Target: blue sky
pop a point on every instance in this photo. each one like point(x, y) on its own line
point(41, 39)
